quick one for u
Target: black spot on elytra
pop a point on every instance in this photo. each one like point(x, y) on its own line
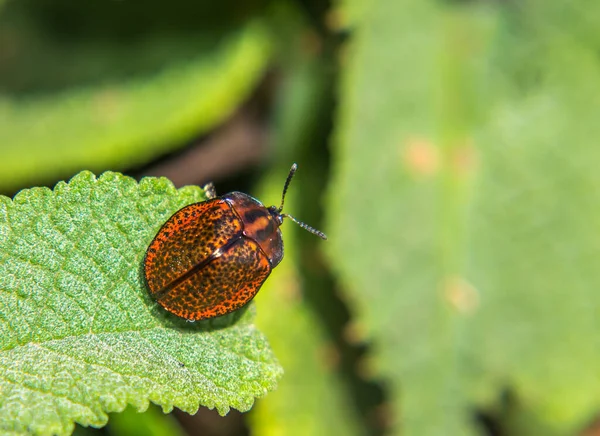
point(264, 234)
point(252, 215)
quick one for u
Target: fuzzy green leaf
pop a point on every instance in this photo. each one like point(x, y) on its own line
point(80, 336)
point(310, 399)
point(464, 211)
point(150, 423)
point(119, 123)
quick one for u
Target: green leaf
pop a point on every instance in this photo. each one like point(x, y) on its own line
point(310, 399)
point(150, 423)
point(81, 337)
point(119, 123)
point(464, 208)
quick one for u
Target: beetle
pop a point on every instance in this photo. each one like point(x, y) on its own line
point(211, 258)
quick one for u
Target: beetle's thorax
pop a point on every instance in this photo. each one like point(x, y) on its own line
point(259, 223)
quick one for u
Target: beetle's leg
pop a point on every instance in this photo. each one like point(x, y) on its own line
point(209, 191)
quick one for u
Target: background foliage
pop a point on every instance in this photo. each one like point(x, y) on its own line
point(448, 149)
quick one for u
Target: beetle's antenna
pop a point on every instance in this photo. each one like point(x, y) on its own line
point(306, 226)
point(287, 184)
point(285, 215)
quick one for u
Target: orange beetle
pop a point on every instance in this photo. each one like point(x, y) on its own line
point(211, 258)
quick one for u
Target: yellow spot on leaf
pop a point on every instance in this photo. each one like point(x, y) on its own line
point(421, 157)
point(461, 294)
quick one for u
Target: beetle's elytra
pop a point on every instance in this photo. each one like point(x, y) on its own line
point(211, 258)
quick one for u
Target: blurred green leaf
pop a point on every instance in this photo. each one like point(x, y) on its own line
point(463, 211)
point(313, 397)
point(310, 399)
point(80, 335)
point(128, 121)
point(150, 423)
